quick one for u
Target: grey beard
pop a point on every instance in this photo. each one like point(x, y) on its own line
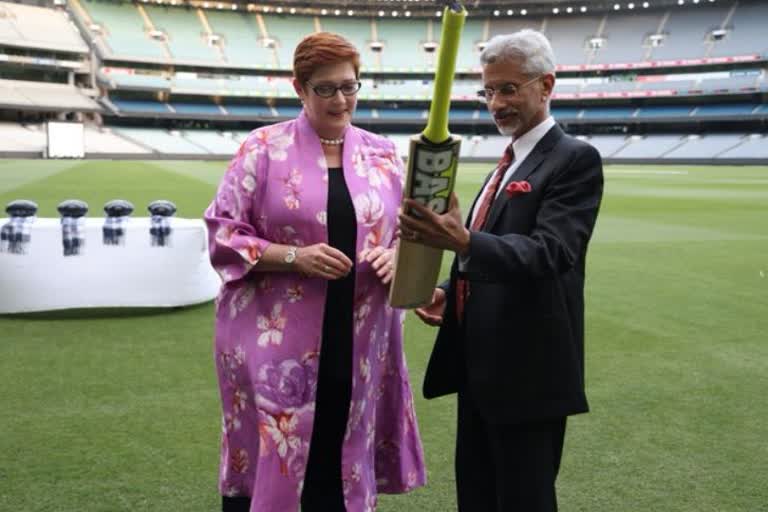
point(508, 131)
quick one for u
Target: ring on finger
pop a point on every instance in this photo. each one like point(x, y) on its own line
point(325, 268)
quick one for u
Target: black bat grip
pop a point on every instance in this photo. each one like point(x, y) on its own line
point(454, 5)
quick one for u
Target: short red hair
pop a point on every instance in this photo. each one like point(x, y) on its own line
point(320, 49)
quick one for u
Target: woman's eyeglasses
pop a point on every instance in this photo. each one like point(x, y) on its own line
point(506, 90)
point(329, 90)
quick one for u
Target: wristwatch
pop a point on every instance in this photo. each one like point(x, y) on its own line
point(290, 256)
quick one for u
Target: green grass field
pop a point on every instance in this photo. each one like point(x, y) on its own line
point(118, 411)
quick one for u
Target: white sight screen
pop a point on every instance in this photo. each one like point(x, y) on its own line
point(66, 140)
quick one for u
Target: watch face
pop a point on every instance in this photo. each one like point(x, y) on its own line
point(290, 257)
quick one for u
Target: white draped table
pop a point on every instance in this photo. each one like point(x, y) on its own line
point(132, 274)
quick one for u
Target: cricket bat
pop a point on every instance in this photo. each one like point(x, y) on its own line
point(433, 157)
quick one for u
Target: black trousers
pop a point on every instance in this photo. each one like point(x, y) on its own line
point(322, 490)
point(506, 468)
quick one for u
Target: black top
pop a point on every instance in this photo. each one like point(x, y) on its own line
point(336, 351)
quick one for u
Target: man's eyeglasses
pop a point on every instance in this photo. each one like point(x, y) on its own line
point(329, 90)
point(505, 90)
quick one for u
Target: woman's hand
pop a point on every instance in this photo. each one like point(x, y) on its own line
point(383, 262)
point(322, 260)
point(433, 313)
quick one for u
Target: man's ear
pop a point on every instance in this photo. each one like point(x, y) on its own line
point(548, 82)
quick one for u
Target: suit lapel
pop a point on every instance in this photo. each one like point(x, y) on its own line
point(530, 164)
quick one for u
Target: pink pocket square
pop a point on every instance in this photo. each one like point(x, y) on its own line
point(517, 187)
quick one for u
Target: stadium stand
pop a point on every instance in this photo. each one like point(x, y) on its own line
point(185, 36)
point(363, 113)
point(162, 141)
point(744, 31)
point(507, 25)
point(16, 139)
point(738, 81)
point(30, 140)
point(578, 40)
point(401, 142)
point(36, 95)
point(458, 112)
point(570, 40)
point(125, 31)
point(211, 141)
point(735, 109)
point(239, 136)
point(138, 81)
point(706, 146)
point(287, 111)
point(287, 31)
point(652, 111)
point(128, 106)
point(38, 27)
point(249, 110)
point(754, 146)
point(613, 112)
point(402, 45)
point(562, 113)
point(189, 67)
point(648, 147)
point(198, 109)
point(243, 41)
point(607, 145)
point(402, 113)
point(624, 38)
point(685, 33)
point(469, 56)
point(358, 31)
point(102, 143)
point(487, 146)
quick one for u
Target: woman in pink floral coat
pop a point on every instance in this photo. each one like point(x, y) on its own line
point(317, 405)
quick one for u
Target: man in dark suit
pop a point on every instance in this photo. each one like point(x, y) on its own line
point(511, 316)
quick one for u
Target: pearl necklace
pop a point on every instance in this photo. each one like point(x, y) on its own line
point(332, 142)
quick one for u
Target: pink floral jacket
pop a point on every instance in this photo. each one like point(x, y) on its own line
point(269, 325)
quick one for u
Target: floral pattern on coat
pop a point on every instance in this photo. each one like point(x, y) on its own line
point(269, 325)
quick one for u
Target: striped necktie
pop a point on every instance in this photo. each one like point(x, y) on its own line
point(462, 285)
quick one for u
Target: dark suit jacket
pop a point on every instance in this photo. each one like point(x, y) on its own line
point(519, 352)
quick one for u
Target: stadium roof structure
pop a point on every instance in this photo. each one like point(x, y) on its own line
point(433, 8)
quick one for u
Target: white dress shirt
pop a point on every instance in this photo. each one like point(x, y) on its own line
point(522, 147)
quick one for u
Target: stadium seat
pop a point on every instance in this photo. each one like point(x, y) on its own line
point(30, 26)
